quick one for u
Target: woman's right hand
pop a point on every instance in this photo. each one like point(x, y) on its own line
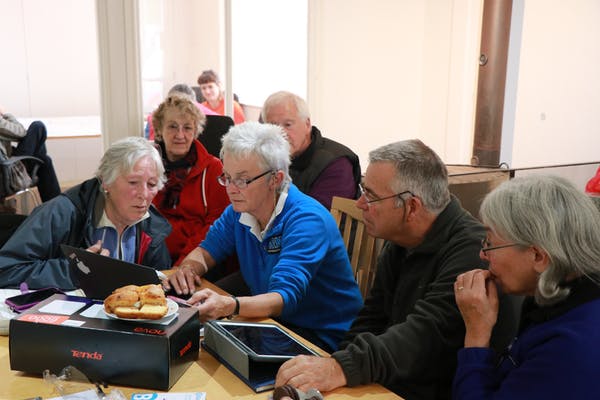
point(98, 249)
point(477, 299)
point(183, 280)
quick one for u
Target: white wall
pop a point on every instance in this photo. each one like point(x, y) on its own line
point(49, 58)
point(268, 45)
point(49, 70)
point(193, 39)
point(269, 48)
point(392, 70)
point(557, 117)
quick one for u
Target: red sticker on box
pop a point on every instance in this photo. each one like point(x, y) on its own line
point(44, 318)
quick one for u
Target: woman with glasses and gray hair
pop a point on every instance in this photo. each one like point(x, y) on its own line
point(543, 242)
point(292, 257)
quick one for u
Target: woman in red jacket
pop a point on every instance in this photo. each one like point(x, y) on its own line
point(192, 198)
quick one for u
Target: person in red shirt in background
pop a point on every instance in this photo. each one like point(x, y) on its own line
point(192, 199)
point(212, 91)
point(593, 185)
point(593, 188)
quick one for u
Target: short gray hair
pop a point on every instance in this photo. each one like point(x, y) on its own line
point(550, 213)
point(122, 155)
point(418, 169)
point(266, 141)
point(183, 89)
point(283, 97)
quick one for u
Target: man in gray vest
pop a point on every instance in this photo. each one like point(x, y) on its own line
point(321, 167)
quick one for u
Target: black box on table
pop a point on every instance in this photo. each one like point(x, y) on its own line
point(68, 330)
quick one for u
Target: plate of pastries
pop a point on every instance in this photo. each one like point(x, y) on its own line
point(138, 303)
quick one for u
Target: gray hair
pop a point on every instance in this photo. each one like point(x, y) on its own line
point(266, 141)
point(418, 169)
point(550, 213)
point(183, 89)
point(122, 155)
point(284, 97)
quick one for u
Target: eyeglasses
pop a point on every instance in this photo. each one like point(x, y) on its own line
point(485, 246)
point(369, 199)
point(240, 183)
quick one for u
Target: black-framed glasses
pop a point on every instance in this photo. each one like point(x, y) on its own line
point(240, 183)
point(369, 199)
point(486, 246)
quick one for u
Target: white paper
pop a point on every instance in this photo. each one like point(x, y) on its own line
point(63, 307)
point(169, 396)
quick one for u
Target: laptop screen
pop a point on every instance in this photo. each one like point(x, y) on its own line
point(99, 275)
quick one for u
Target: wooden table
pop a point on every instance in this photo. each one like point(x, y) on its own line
point(204, 375)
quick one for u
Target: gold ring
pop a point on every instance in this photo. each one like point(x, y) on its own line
point(460, 287)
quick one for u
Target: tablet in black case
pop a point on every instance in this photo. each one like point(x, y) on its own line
point(253, 351)
point(266, 342)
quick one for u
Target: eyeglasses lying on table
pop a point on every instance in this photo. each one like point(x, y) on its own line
point(73, 384)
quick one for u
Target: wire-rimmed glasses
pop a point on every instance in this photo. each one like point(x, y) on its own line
point(240, 183)
point(371, 199)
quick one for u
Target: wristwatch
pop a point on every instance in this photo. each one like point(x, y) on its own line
point(236, 311)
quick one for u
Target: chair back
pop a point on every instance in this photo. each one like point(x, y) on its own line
point(18, 190)
point(24, 201)
point(363, 248)
point(216, 126)
point(15, 176)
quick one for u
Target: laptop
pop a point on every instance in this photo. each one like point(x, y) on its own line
point(99, 275)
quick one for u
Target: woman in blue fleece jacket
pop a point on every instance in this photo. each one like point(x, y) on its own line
point(291, 254)
point(543, 242)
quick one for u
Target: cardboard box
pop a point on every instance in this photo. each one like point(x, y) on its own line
point(67, 330)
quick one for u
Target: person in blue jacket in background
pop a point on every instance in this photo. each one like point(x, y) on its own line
point(292, 257)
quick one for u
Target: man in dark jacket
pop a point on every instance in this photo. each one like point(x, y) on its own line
point(409, 330)
point(321, 167)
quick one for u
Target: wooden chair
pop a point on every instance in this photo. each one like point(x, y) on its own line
point(26, 199)
point(363, 249)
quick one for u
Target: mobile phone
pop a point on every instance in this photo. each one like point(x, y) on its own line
point(22, 302)
point(179, 300)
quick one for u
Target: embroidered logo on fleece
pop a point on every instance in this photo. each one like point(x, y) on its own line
point(274, 244)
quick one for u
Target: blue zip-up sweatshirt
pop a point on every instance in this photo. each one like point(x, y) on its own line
point(302, 257)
